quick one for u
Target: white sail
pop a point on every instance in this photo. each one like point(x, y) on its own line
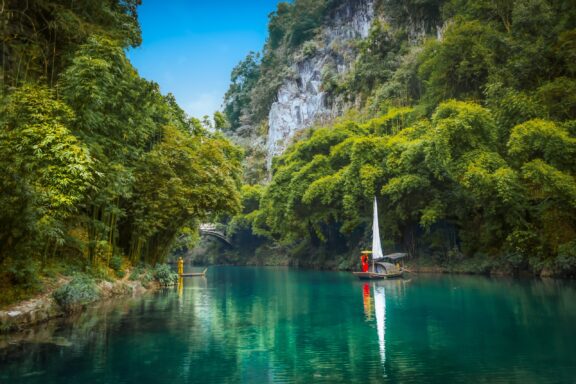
point(376, 246)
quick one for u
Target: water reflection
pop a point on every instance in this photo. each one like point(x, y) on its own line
point(367, 300)
point(280, 325)
point(395, 287)
point(380, 309)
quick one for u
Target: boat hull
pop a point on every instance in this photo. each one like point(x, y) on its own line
point(192, 274)
point(378, 276)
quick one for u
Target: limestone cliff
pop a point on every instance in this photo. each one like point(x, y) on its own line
point(301, 100)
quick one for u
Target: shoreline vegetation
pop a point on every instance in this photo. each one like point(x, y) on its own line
point(464, 266)
point(64, 296)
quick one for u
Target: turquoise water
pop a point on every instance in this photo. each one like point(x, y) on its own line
point(279, 325)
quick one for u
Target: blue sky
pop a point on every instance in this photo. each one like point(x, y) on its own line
point(191, 46)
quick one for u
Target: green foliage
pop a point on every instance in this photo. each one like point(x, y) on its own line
point(116, 264)
point(545, 140)
point(46, 170)
point(559, 98)
point(377, 60)
point(470, 143)
point(459, 65)
point(164, 275)
point(511, 107)
point(297, 22)
point(39, 36)
point(243, 79)
point(425, 13)
point(97, 164)
point(309, 48)
point(220, 121)
point(19, 279)
point(469, 149)
point(178, 181)
point(80, 291)
point(566, 261)
point(136, 273)
point(449, 175)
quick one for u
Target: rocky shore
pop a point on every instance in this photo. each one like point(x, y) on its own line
point(44, 307)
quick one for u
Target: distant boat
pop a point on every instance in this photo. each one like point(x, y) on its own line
point(383, 266)
point(192, 274)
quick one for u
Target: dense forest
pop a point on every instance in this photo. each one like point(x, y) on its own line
point(461, 121)
point(99, 169)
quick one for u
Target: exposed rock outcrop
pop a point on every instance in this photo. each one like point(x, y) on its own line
point(301, 101)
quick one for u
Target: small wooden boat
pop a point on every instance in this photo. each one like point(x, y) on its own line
point(386, 267)
point(383, 266)
point(192, 274)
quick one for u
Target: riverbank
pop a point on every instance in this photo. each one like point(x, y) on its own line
point(44, 306)
point(481, 266)
point(67, 295)
point(286, 256)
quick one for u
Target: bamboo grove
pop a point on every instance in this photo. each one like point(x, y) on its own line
point(465, 134)
point(97, 165)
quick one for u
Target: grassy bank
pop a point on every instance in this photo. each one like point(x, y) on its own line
point(61, 294)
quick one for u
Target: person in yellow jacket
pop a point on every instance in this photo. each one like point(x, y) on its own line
point(180, 266)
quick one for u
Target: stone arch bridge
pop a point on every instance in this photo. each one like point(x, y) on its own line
point(213, 230)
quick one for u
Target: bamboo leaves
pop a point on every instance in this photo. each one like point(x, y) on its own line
point(449, 172)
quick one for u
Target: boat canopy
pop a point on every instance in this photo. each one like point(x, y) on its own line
point(392, 256)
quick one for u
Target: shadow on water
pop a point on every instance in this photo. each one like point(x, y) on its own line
point(281, 325)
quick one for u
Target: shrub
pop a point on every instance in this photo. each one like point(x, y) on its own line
point(309, 48)
point(135, 273)
point(116, 263)
point(164, 275)
point(566, 260)
point(77, 293)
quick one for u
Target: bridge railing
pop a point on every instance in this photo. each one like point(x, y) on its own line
point(214, 227)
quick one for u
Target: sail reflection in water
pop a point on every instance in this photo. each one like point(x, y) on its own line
point(380, 312)
point(380, 309)
point(394, 287)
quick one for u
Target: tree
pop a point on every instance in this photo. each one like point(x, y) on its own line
point(220, 121)
point(243, 79)
point(46, 172)
point(183, 178)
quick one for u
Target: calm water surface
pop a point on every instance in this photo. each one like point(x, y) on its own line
point(278, 325)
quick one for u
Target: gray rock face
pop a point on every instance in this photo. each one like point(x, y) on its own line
point(301, 101)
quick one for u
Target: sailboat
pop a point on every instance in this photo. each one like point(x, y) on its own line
point(383, 266)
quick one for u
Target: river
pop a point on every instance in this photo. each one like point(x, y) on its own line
point(281, 325)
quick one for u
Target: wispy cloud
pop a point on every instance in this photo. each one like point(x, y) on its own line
point(203, 104)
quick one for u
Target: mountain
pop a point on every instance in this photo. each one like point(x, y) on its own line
point(308, 68)
point(458, 115)
point(302, 99)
